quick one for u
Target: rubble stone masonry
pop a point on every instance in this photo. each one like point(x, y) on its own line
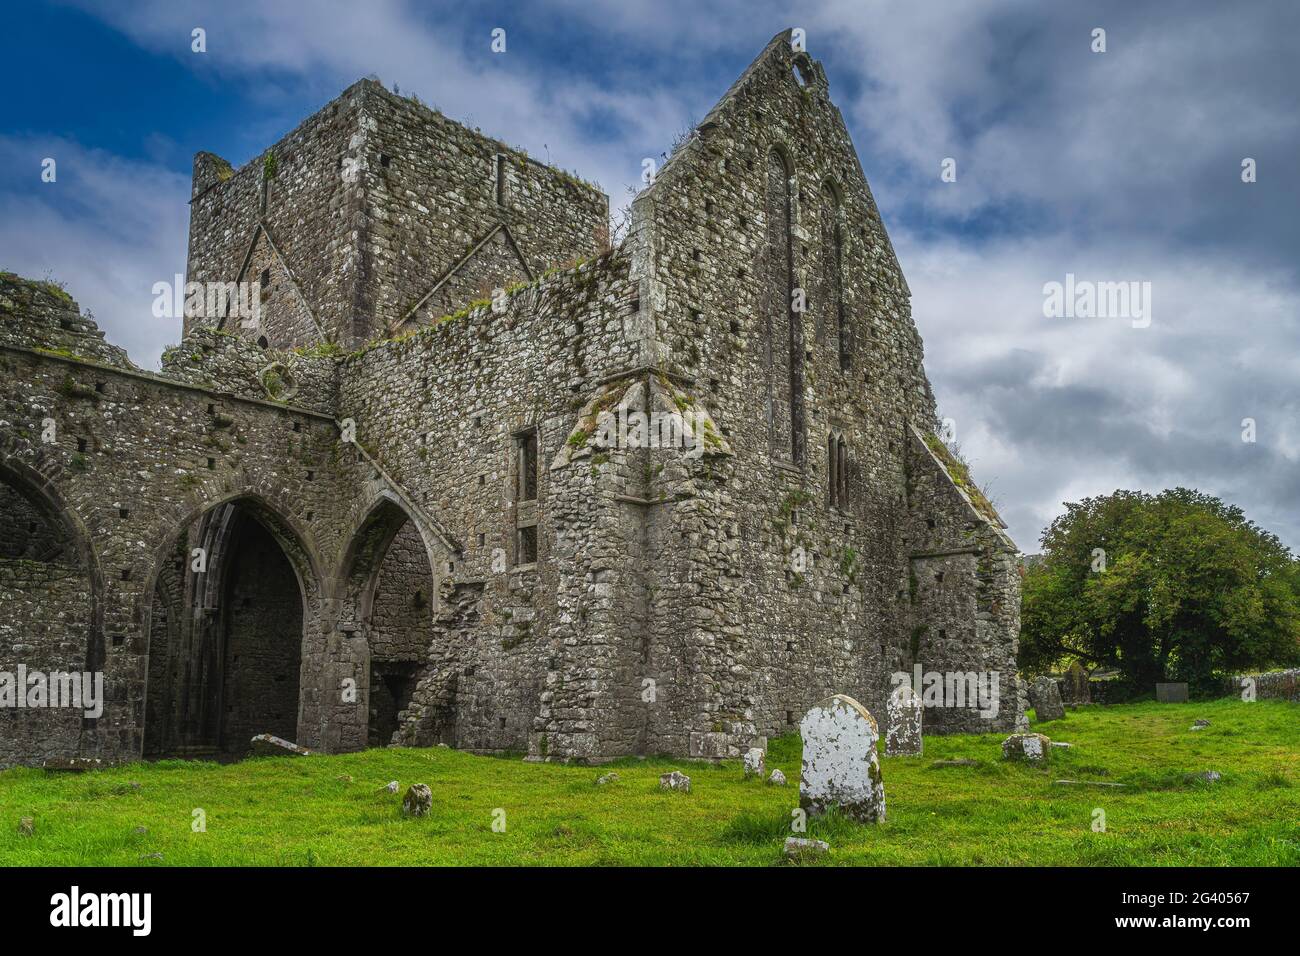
point(399, 506)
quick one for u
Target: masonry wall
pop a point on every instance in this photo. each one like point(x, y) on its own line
point(443, 426)
point(134, 459)
point(368, 206)
point(794, 597)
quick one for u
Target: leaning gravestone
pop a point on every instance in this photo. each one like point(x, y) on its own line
point(840, 766)
point(1171, 693)
point(903, 715)
point(755, 764)
point(1045, 698)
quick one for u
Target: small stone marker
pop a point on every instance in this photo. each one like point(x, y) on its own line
point(903, 713)
point(607, 778)
point(74, 764)
point(675, 781)
point(755, 763)
point(418, 800)
point(798, 847)
point(1062, 744)
point(840, 766)
point(1088, 783)
point(777, 779)
point(1078, 689)
point(1045, 698)
point(1198, 724)
point(1171, 693)
point(390, 787)
point(1205, 776)
point(269, 745)
point(27, 826)
point(1032, 747)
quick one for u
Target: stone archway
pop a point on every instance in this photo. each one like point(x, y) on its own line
point(388, 592)
point(230, 602)
point(52, 622)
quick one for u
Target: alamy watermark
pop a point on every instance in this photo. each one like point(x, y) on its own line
point(79, 690)
point(1086, 299)
point(637, 429)
point(208, 300)
point(974, 690)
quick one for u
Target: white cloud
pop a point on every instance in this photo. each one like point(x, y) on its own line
point(107, 228)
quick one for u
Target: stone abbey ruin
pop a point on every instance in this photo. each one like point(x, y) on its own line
point(397, 508)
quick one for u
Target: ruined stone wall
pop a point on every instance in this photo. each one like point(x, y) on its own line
point(135, 459)
point(788, 596)
point(963, 590)
point(437, 193)
point(311, 201)
point(401, 620)
point(441, 410)
point(368, 206)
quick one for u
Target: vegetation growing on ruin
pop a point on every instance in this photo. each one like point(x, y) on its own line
point(332, 811)
point(959, 471)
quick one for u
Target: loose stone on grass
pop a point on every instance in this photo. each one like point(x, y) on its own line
point(799, 848)
point(1033, 748)
point(675, 781)
point(418, 800)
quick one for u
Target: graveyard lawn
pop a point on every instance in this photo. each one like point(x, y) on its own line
point(295, 811)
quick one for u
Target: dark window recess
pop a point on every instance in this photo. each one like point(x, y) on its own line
point(264, 282)
point(499, 175)
point(81, 444)
point(263, 342)
point(636, 305)
point(297, 426)
point(118, 639)
point(126, 574)
point(311, 476)
point(212, 463)
point(385, 160)
point(837, 471)
point(123, 513)
point(526, 459)
point(527, 546)
point(735, 326)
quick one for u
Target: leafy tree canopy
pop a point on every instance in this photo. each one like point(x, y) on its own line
point(1174, 586)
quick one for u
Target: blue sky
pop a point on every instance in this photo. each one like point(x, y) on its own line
point(1115, 166)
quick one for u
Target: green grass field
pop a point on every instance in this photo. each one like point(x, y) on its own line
point(332, 811)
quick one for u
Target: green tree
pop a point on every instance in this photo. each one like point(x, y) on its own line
point(1174, 586)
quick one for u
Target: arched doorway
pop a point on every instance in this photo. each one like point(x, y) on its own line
point(226, 634)
point(50, 630)
point(389, 590)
